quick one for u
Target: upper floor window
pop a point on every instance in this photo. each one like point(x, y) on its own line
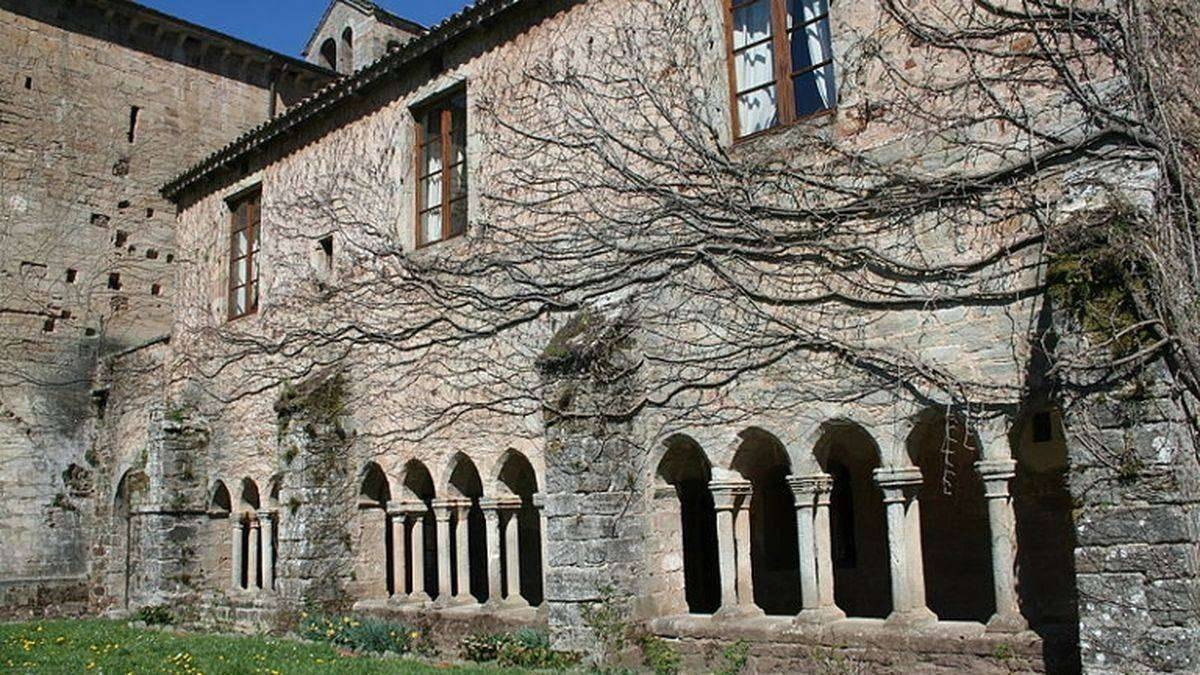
point(782, 62)
point(244, 241)
point(442, 169)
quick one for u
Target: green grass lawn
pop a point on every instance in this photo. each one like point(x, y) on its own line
point(112, 647)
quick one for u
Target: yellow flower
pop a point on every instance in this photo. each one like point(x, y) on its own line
point(414, 635)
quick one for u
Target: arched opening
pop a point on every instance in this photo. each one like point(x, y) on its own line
point(774, 551)
point(220, 506)
point(955, 540)
point(686, 468)
point(420, 576)
point(329, 55)
point(347, 51)
point(469, 575)
point(250, 567)
point(374, 547)
point(857, 521)
point(125, 532)
point(1045, 526)
point(517, 475)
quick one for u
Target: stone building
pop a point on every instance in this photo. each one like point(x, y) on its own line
point(402, 377)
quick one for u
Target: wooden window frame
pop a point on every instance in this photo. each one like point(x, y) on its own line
point(241, 206)
point(781, 67)
point(442, 106)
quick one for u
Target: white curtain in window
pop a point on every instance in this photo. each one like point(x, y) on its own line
point(754, 67)
point(820, 48)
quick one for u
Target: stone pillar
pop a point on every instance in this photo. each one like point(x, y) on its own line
point(462, 557)
point(900, 487)
point(512, 549)
point(267, 518)
point(539, 503)
point(824, 550)
point(235, 551)
point(252, 578)
point(441, 513)
point(491, 518)
point(996, 474)
point(416, 553)
point(806, 489)
point(396, 519)
point(732, 500)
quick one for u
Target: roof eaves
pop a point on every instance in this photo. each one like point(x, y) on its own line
point(326, 97)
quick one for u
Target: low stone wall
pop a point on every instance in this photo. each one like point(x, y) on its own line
point(777, 645)
point(447, 627)
point(37, 598)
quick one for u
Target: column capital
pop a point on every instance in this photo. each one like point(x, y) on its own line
point(402, 507)
point(727, 492)
point(510, 502)
point(489, 505)
point(443, 508)
point(807, 485)
point(996, 469)
point(268, 514)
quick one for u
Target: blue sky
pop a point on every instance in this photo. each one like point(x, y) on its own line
point(284, 25)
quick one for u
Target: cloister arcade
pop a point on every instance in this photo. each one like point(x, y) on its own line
point(947, 524)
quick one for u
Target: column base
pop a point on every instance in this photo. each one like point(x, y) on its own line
point(1007, 622)
point(911, 618)
point(456, 601)
point(739, 612)
point(514, 603)
point(819, 615)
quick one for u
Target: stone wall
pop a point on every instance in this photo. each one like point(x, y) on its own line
point(102, 102)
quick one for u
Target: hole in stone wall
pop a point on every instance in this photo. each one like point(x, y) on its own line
point(123, 204)
point(155, 289)
point(152, 254)
point(71, 275)
point(327, 251)
point(90, 332)
point(120, 238)
point(134, 112)
point(114, 281)
point(170, 257)
point(100, 400)
point(100, 220)
point(65, 314)
point(48, 326)
point(149, 213)
point(29, 83)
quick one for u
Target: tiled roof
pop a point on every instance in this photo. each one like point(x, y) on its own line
point(453, 27)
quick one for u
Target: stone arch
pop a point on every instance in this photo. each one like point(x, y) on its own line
point(955, 532)
point(849, 454)
point(347, 65)
point(373, 546)
point(1045, 525)
point(219, 532)
point(249, 536)
point(249, 500)
point(774, 550)
point(463, 482)
point(329, 54)
point(516, 476)
point(685, 468)
point(220, 504)
point(126, 551)
point(417, 488)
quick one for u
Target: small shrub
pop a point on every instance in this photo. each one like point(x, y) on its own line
point(156, 615)
point(526, 648)
point(734, 658)
point(659, 656)
point(361, 635)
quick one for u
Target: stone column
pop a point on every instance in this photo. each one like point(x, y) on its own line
point(732, 500)
point(539, 503)
point(492, 532)
point(267, 518)
point(512, 550)
point(235, 551)
point(462, 557)
point(396, 519)
point(252, 578)
point(806, 489)
point(416, 553)
point(996, 474)
point(441, 512)
point(824, 550)
point(900, 487)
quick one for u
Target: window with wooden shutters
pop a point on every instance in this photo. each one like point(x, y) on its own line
point(780, 62)
point(244, 243)
point(442, 169)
